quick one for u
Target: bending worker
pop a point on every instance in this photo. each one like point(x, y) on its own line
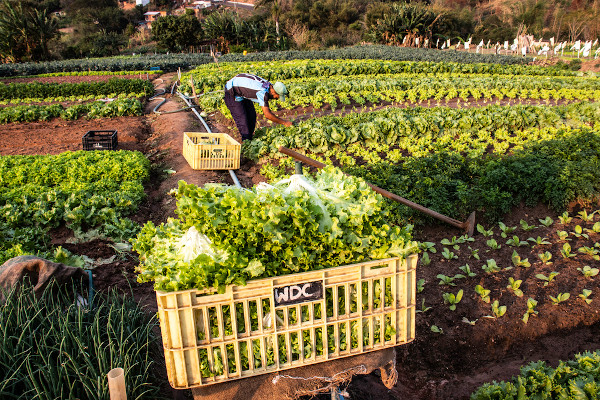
point(244, 89)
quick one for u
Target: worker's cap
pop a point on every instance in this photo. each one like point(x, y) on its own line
point(281, 90)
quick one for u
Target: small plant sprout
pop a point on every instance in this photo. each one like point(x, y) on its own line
point(546, 222)
point(585, 217)
point(490, 266)
point(595, 228)
point(483, 293)
point(474, 253)
point(578, 232)
point(423, 309)
point(531, 304)
point(506, 230)
point(451, 242)
point(525, 226)
point(448, 280)
point(560, 298)
point(515, 241)
point(563, 235)
point(517, 262)
point(589, 251)
point(452, 299)
point(497, 309)
point(548, 279)
point(436, 329)
point(425, 260)
point(485, 233)
point(566, 251)
point(514, 285)
point(420, 285)
point(448, 254)
point(467, 321)
point(493, 244)
point(467, 271)
point(428, 246)
point(539, 241)
point(565, 218)
point(585, 294)
point(545, 257)
point(588, 271)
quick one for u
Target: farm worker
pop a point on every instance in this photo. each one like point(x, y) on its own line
point(244, 89)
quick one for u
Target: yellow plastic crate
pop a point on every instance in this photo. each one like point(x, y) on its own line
point(211, 150)
point(343, 311)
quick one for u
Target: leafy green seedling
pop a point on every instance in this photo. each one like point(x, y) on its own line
point(546, 222)
point(565, 219)
point(506, 230)
point(465, 238)
point(566, 251)
point(420, 285)
point(484, 293)
point(525, 226)
point(563, 235)
point(467, 270)
point(425, 260)
point(545, 257)
point(531, 304)
point(497, 309)
point(448, 280)
point(515, 285)
point(585, 217)
point(451, 242)
point(539, 241)
point(448, 254)
point(548, 279)
point(436, 329)
point(423, 309)
point(517, 262)
point(453, 299)
point(474, 253)
point(560, 298)
point(595, 228)
point(585, 294)
point(589, 251)
point(515, 241)
point(428, 246)
point(578, 232)
point(588, 271)
point(485, 233)
point(490, 266)
point(493, 244)
point(467, 321)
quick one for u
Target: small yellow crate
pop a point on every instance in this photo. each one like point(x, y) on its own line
point(211, 150)
point(287, 321)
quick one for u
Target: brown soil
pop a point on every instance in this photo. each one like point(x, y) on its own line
point(447, 365)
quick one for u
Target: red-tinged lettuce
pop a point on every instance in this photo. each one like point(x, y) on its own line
point(296, 225)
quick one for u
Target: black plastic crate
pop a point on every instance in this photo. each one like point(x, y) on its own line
point(100, 140)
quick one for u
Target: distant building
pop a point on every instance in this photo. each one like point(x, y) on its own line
point(151, 16)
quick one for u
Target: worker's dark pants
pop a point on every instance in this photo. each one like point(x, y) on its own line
point(243, 114)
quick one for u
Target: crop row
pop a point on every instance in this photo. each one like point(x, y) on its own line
point(71, 99)
point(397, 126)
point(98, 109)
point(170, 62)
point(213, 76)
point(44, 90)
point(417, 88)
point(83, 190)
point(92, 73)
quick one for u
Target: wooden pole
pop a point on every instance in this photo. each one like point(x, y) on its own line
point(468, 225)
point(116, 384)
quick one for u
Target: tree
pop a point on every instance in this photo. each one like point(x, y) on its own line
point(177, 33)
